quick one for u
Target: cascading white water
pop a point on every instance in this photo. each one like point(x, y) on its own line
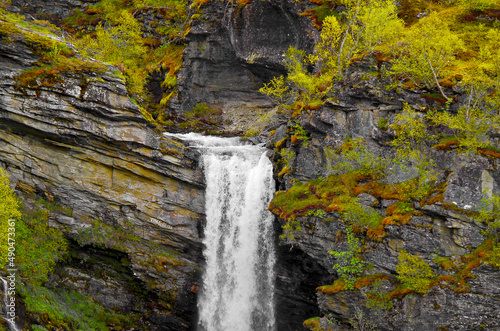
point(12, 324)
point(238, 283)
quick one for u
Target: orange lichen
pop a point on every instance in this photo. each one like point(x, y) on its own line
point(337, 286)
point(280, 144)
point(381, 57)
point(446, 144)
point(295, 139)
point(314, 323)
point(398, 293)
point(368, 280)
point(378, 190)
point(463, 267)
point(377, 233)
point(489, 153)
point(400, 213)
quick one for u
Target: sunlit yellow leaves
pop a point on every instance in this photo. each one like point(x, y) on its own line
point(380, 24)
point(122, 44)
point(9, 209)
point(427, 51)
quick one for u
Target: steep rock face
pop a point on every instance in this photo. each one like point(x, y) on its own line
point(49, 10)
point(444, 228)
point(232, 51)
point(83, 145)
point(132, 181)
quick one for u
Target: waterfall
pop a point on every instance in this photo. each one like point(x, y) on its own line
point(238, 283)
point(10, 322)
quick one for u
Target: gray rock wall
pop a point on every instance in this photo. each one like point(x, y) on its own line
point(444, 228)
point(83, 145)
point(232, 50)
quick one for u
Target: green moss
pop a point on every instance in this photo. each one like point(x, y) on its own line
point(383, 123)
point(70, 310)
point(106, 236)
point(56, 58)
point(334, 193)
point(54, 207)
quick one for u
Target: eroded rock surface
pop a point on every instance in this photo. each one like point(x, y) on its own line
point(444, 228)
point(232, 51)
point(83, 145)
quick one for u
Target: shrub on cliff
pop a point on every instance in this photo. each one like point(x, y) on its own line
point(35, 246)
point(120, 44)
point(9, 210)
point(350, 265)
point(414, 273)
point(426, 55)
point(363, 26)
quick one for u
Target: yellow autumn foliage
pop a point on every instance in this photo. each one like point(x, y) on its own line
point(9, 209)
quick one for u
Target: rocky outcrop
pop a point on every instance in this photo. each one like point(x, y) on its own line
point(54, 12)
point(82, 145)
point(232, 50)
point(443, 229)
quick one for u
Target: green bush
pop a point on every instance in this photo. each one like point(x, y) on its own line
point(123, 44)
point(489, 213)
point(414, 273)
point(9, 209)
point(354, 155)
point(350, 264)
point(70, 310)
point(425, 55)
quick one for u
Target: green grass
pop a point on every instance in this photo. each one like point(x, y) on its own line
point(67, 309)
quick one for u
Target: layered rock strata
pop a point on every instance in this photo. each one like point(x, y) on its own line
point(442, 228)
point(83, 146)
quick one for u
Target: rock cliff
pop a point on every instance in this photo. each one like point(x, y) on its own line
point(441, 229)
point(232, 50)
point(82, 145)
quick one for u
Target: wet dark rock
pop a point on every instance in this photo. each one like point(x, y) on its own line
point(51, 11)
point(232, 51)
point(297, 278)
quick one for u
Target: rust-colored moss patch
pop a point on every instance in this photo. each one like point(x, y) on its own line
point(318, 14)
point(369, 280)
point(463, 267)
point(488, 152)
point(337, 286)
point(446, 143)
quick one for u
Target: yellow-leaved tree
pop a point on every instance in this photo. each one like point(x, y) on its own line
point(414, 273)
point(120, 44)
point(9, 209)
point(412, 143)
point(473, 127)
point(479, 4)
point(364, 25)
point(427, 52)
point(367, 24)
